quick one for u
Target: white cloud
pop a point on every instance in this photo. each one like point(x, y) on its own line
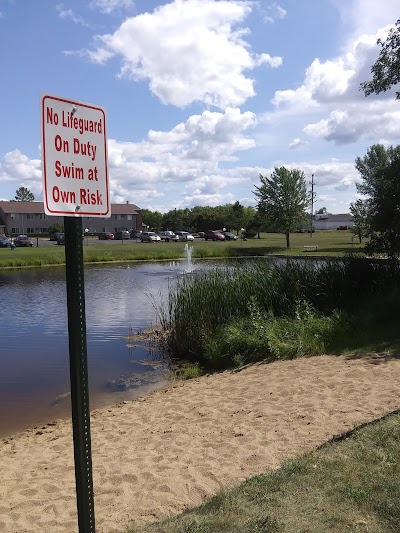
point(364, 16)
point(274, 12)
point(188, 50)
point(68, 14)
point(347, 125)
point(331, 93)
point(333, 174)
point(298, 144)
point(186, 157)
point(108, 6)
point(273, 62)
point(17, 168)
point(336, 80)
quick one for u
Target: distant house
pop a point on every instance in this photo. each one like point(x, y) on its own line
point(29, 218)
point(329, 221)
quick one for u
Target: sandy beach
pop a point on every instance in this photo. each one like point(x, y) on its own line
point(158, 455)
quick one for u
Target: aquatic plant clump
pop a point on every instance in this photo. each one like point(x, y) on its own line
point(269, 310)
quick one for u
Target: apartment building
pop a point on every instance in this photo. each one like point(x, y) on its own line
point(29, 218)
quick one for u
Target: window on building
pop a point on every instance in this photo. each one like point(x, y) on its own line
point(29, 216)
point(13, 216)
point(29, 230)
point(129, 217)
point(14, 230)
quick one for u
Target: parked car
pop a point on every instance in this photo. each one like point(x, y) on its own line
point(23, 240)
point(229, 236)
point(60, 238)
point(342, 227)
point(211, 235)
point(122, 235)
point(106, 236)
point(5, 242)
point(168, 236)
point(135, 233)
point(149, 236)
point(184, 236)
point(54, 236)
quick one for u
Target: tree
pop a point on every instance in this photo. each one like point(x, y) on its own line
point(322, 211)
point(283, 199)
point(360, 211)
point(386, 69)
point(56, 228)
point(202, 218)
point(236, 220)
point(380, 171)
point(153, 219)
point(23, 195)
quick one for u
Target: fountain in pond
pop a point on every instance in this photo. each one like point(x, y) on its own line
point(188, 266)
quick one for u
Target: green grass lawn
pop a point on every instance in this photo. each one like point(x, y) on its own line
point(348, 486)
point(330, 243)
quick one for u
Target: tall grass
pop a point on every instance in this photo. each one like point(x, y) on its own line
point(267, 310)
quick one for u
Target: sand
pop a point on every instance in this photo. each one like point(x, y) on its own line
point(156, 456)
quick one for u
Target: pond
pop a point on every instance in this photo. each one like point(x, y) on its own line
point(34, 355)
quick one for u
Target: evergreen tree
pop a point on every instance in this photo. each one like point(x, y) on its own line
point(23, 195)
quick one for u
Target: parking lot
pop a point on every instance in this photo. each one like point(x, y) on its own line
point(87, 241)
point(90, 241)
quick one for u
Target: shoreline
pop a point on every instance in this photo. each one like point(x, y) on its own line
point(101, 400)
point(309, 256)
point(160, 454)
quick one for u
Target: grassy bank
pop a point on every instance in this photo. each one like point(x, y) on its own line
point(352, 485)
point(268, 311)
point(330, 243)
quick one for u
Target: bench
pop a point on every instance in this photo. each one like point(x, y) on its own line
point(310, 248)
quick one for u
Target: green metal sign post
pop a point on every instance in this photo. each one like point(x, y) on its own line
point(79, 373)
point(74, 145)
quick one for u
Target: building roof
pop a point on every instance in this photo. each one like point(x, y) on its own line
point(340, 217)
point(38, 207)
point(124, 209)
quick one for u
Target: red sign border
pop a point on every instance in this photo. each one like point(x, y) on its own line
point(80, 213)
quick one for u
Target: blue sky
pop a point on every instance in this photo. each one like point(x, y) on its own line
point(201, 96)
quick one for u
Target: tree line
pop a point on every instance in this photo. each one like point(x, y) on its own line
point(233, 217)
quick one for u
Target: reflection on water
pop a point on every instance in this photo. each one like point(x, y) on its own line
point(34, 357)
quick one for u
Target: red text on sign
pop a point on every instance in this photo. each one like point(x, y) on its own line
point(85, 196)
point(66, 197)
point(68, 171)
point(90, 198)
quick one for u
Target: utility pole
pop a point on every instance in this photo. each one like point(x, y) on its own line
point(312, 204)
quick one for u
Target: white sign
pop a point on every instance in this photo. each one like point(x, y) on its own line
point(74, 158)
